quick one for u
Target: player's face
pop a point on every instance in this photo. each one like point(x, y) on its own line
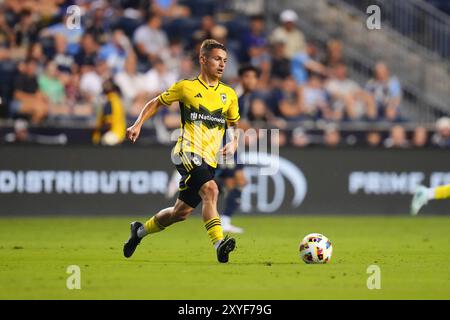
point(214, 64)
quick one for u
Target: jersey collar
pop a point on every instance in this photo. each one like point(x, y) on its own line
point(206, 85)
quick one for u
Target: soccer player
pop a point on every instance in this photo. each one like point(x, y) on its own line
point(231, 175)
point(111, 124)
point(206, 106)
point(424, 194)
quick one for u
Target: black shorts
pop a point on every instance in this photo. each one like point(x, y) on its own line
point(195, 172)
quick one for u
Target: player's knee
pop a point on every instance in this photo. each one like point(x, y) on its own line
point(180, 218)
point(209, 191)
point(181, 214)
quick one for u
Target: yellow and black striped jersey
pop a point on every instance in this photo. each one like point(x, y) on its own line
point(205, 112)
point(111, 117)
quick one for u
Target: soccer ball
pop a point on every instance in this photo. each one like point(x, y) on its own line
point(315, 248)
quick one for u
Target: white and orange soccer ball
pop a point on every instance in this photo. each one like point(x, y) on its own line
point(315, 248)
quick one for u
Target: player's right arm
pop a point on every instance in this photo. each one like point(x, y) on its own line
point(148, 111)
point(175, 93)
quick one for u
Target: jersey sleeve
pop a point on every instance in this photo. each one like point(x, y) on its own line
point(233, 110)
point(174, 93)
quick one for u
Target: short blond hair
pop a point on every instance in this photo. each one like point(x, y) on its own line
point(208, 45)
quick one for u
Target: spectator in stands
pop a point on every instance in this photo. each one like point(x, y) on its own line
point(315, 104)
point(132, 15)
point(332, 136)
point(441, 138)
point(289, 100)
point(255, 50)
point(63, 60)
point(254, 42)
point(25, 30)
point(79, 101)
point(72, 35)
point(165, 122)
point(82, 82)
point(397, 138)
point(90, 84)
point(171, 117)
point(334, 54)
point(96, 22)
point(36, 52)
point(348, 99)
point(204, 32)
point(247, 90)
point(261, 117)
point(300, 138)
point(116, 51)
point(387, 92)
point(420, 137)
point(173, 56)
point(21, 134)
point(170, 9)
point(304, 63)
point(87, 54)
point(373, 138)
point(230, 75)
point(111, 125)
point(187, 70)
point(7, 75)
point(150, 40)
point(51, 85)
point(102, 69)
point(280, 64)
point(159, 78)
point(28, 99)
point(288, 33)
point(7, 39)
point(132, 85)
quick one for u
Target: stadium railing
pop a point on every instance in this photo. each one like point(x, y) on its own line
point(424, 77)
point(415, 19)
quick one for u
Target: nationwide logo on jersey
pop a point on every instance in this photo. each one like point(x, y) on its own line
point(194, 116)
point(224, 97)
point(209, 119)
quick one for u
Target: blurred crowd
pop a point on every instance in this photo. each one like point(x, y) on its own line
point(99, 62)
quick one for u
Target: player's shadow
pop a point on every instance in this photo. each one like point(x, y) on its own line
point(209, 263)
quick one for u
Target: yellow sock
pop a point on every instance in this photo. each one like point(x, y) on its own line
point(214, 229)
point(153, 226)
point(442, 192)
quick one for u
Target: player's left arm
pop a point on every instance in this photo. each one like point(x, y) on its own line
point(231, 147)
point(233, 126)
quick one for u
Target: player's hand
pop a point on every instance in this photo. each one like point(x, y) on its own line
point(133, 132)
point(229, 148)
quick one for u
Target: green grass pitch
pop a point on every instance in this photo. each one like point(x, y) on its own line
point(180, 263)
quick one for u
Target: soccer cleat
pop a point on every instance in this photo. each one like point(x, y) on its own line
point(232, 229)
point(133, 241)
point(419, 200)
point(225, 247)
